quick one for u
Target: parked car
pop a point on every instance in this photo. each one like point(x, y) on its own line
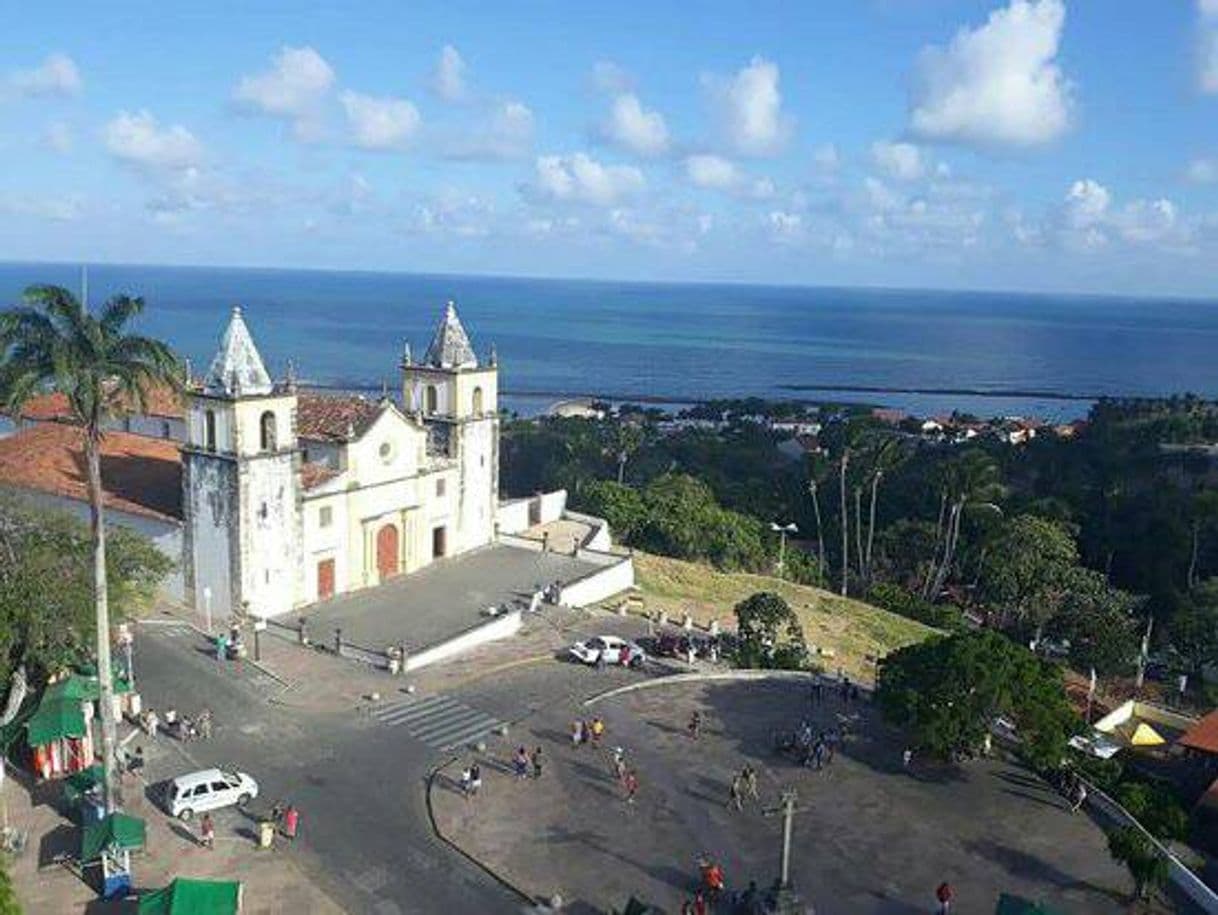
point(678, 645)
point(608, 649)
point(208, 789)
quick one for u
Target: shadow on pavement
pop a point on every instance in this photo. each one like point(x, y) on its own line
point(61, 842)
point(1030, 867)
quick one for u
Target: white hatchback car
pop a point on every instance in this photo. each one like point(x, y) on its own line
point(208, 789)
point(608, 649)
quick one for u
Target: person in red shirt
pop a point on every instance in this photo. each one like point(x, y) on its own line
point(945, 894)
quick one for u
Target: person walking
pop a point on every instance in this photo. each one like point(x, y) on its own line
point(535, 759)
point(619, 763)
point(207, 831)
point(944, 894)
point(631, 784)
point(695, 724)
point(749, 774)
point(204, 722)
point(1080, 796)
point(906, 758)
point(598, 731)
point(577, 733)
point(520, 763)
point(733, 794)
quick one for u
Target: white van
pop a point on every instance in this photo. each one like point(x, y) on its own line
point(208, 789)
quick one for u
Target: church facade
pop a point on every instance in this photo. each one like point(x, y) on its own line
point(290, 498)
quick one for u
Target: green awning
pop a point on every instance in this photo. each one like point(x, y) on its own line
point(84, 687)
point(193, 897)
point(117, 830)
point(1017, 905)
point(56, 718)
point(80, 783)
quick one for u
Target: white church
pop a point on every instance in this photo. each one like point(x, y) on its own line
point(288, 499)
point(269, 498)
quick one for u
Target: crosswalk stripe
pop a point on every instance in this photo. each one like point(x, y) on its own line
point(439, 721)
point(432, 729)
point(403, 713)
point(468, 735)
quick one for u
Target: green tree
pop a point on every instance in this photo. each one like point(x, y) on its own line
point(1100, 623)
point(949, 689)
point(8, 896)
point(1028, 570)
point(769, 633)
point(46, 586)
point(1155, 807)
point(1130, 846)
point(622, 506)
point(969, 479)
point(1192, 629)
point(53, 343)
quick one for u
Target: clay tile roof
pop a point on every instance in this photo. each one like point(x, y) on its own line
point(334, 419)
point(1203, 735)
point(313, 474)
point(158, 401)
point(140, 475)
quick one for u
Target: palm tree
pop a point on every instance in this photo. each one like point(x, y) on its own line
point(813, 490)
point(886, 453)
point(53, 343)
point(972, 477)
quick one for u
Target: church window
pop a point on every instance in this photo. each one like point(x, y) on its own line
point(267, 429)
point(262, 511)
point(440, 487)
point(432, 399)
point(165, 429)
point(209, 430)
point(477, 401)
point(326, 516)
point(386, 452)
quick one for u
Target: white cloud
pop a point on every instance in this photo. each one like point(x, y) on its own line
point(293, 89)
point(711, 171)
point(1086, 203)
point(1202, 170)
point(53, 209)
point(1207, 62)
point(380, 122)
point(58, 137)
point(998, 84)
point(786, 227)
point(632, 127)
point(580, 178)
point(1147, 221)
point(1088, 219)
point(749, 108)
point(506, 134)
point(826, 158)
point(609, 77)
point(56, 75)
point(138, 139)
point(448, 77)
point(901, 161)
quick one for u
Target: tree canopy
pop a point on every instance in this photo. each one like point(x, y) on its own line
point(948, 690)
point(769, 633)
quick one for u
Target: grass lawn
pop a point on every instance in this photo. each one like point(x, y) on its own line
point(850, 629)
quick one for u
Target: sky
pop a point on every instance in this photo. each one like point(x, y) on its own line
point(1037, 145)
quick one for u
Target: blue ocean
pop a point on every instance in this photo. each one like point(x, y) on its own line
point(922, 351)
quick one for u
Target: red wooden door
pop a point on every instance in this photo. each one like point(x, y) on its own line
point(325, 579)
point(387, 552)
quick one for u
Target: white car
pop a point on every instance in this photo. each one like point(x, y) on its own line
point(208, 789)
point(608, 649)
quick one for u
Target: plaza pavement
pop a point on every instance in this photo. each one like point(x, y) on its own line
point(442, 600)
point(869, 837)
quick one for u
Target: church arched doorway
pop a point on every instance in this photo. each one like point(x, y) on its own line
point(387, 552)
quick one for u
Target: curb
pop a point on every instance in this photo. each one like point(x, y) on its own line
point(178, 621)
point(736, 675)
point(435, 828)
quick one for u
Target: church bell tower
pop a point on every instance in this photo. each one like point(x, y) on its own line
point(241, 485)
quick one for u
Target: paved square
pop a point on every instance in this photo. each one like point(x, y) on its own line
point(870, 837)
point(442, 600)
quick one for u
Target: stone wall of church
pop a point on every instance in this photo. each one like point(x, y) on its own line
point(479, 487)
point(270, 540)
point(209, 500)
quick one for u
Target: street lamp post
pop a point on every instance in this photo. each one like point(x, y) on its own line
point(782, 530)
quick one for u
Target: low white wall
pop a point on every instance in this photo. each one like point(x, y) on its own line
point(521, 543)
point(600, 585)
point(553, 504)
point(499, 628)
point(513, 516)
point(598, 537)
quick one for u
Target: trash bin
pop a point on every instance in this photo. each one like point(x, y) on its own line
point(266, 834)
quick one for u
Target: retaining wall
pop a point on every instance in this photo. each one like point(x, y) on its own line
point(501, 627)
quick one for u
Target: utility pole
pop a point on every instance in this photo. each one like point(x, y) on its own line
point(786, 901)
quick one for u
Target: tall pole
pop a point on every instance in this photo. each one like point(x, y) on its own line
point(788, 815)
point(782, 552)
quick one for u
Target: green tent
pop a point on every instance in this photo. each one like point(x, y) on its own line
point(1017, 905)
point(56, 718)
point(78, 784)
point(116, 830)
point(82, 687)
point(193, 897)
